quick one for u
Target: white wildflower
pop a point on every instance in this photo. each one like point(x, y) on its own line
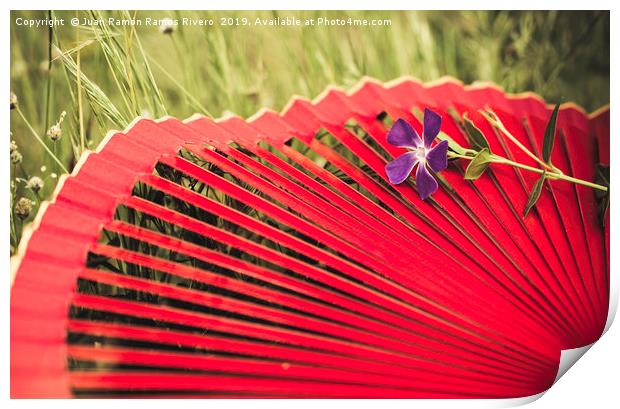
point(13, 100)
point(167, 26)
point(16, 157)
point(23, 207)
point(35, 184)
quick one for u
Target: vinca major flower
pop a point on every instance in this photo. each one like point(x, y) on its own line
point(421, 153)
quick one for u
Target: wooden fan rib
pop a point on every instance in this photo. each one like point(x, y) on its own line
point(577, 120)
point(274, 277)
point(563, 195)
point(186, 223)
point(553, 228)
point(519, 175)
point(599, 122)
point(194, 297)
point(245, 197)
point(163, 394)
point(326, 216)
point(550, 292)
point(396, 224)
point(424, 337)
point(343, 165)
point(386, 336)
point(487, 246)
point(153, 381)
point(403, 227)
point(232, 366)
point(231, 304)
point(536, 230)
point(314, 198)
point(383, 231)
point(459, 182)
point(546, 113)
point(428, 229)
point(592, 235)
point(402, 279)
point(257, 368)
point(406, 364)
point(582, 122)
point(214, 343)
point(582, 153)
point(274, 315)
point(250, 223)
point(312, 224)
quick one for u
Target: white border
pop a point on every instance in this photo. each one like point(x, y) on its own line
point(593, 383)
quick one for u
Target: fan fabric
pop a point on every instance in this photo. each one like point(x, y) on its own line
point(272, 258)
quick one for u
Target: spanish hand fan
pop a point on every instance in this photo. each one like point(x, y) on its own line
point(273, 258)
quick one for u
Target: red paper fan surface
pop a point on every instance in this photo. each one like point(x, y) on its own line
point(271, 258)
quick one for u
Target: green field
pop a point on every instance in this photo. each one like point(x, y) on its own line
point(104, 76)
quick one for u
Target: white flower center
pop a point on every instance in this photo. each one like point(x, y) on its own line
point(420, 153)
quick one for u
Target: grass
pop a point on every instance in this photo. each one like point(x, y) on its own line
point(104, 76)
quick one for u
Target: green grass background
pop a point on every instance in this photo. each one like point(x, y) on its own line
point(105, 76)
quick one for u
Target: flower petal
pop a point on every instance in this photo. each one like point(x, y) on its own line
point(399, 169)
point(425, 182)
point(437, 158)
point(432, 123)
point(403, 135)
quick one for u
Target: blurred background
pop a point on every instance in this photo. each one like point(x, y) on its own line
point(103, 76)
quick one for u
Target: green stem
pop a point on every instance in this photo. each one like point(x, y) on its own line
point(550, 175)
point(501, 159)
point(55, 152)
point(40, 140)
point(21, 166)
point(79, 91)
point(497, 123)
point(583, 182)
point(48, 93)
point(187, 94)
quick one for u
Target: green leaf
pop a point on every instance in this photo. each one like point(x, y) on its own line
point(476, 137)
point(478, 165)
point(549, 138)
point(535, 194)
point(452, 144)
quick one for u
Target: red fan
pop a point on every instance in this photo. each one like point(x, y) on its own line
point(272, 258)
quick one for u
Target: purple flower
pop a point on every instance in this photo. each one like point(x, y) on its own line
point(421, 153)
